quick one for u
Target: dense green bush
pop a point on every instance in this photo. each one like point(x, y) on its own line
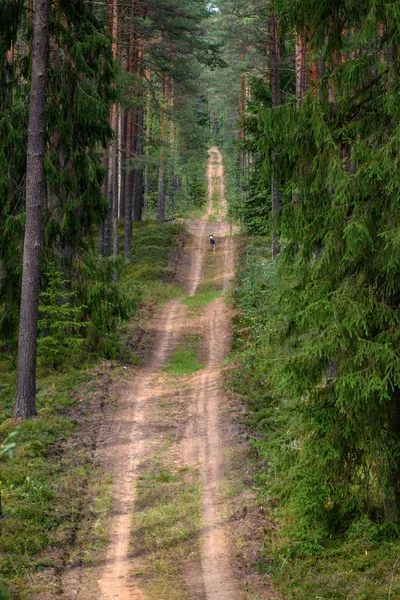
point(320, 465)
point(61, 328)
point(326, 462)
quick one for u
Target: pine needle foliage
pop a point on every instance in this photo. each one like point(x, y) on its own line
point(329, 347)
point(79, 93)
point(61, 329)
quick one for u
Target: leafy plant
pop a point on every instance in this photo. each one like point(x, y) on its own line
point(7, 446)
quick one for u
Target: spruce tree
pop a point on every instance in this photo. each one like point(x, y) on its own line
point(335, 342)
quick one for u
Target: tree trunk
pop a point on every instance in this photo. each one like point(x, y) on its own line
point(161, 192)
point(30, 11)
point(161, 172)
point(148, 131)
point(128, 188)
point(242, 108)
point(130, 144)
point(138, 178)
point(113, 176)
point(107, 234)
point(25, 401)
point(274, 79)
point(171, 185)
point(146, 192)
point(301, 68)
point(107, 223)
point(114, 179)
point(171, 175)
point(122, 115)
point(124, 124)
point(100, 243)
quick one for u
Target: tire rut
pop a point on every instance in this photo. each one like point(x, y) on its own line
point(203, 446)
point(131, 436)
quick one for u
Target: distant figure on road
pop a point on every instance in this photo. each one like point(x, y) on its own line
point(212, 242)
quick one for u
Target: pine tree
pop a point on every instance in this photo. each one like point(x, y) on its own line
point(76, 104)
point(25, 402)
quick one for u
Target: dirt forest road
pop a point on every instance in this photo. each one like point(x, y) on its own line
point(136, 433)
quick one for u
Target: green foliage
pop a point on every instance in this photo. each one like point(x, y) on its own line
point(184, 360)
point(186, 157)
point(39, 487)
point(167, 528)
point(60, 321)
point(105, 304)
point(149, 275)
point(152, 246)
point(324, 319)
point(79, 94)
point(51, 489)
point(318, 464)
point(7, 446)
point(202, 297)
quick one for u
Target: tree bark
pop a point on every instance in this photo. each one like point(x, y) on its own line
point(30, 11)
point(124, 124)
point(25, 401)
point(122, 115)
point(161, 192)
point(148, 131)
point(113, 189)
point(161, 172)
point(128, 188)
point(171, 185)
point(100, 242)
point(130, 143)
point(138, 177)
point(274, 65)
point(114, 179)
point(301, 67)
point(171, 175)
point(107, 223)
point(241, 130)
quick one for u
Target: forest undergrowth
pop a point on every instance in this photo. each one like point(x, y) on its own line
point(53, 490)
point(309, 552)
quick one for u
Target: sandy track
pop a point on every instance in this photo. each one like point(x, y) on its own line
point(131, 436)
point(203, 446)
point(131, 439)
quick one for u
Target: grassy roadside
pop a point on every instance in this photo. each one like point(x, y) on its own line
point(166, 523)
point(166, 529)
point(54, 494)
point(185, 360)
point(204, 295)
point(363, 563)
point(211, 287)
point(215, 215)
